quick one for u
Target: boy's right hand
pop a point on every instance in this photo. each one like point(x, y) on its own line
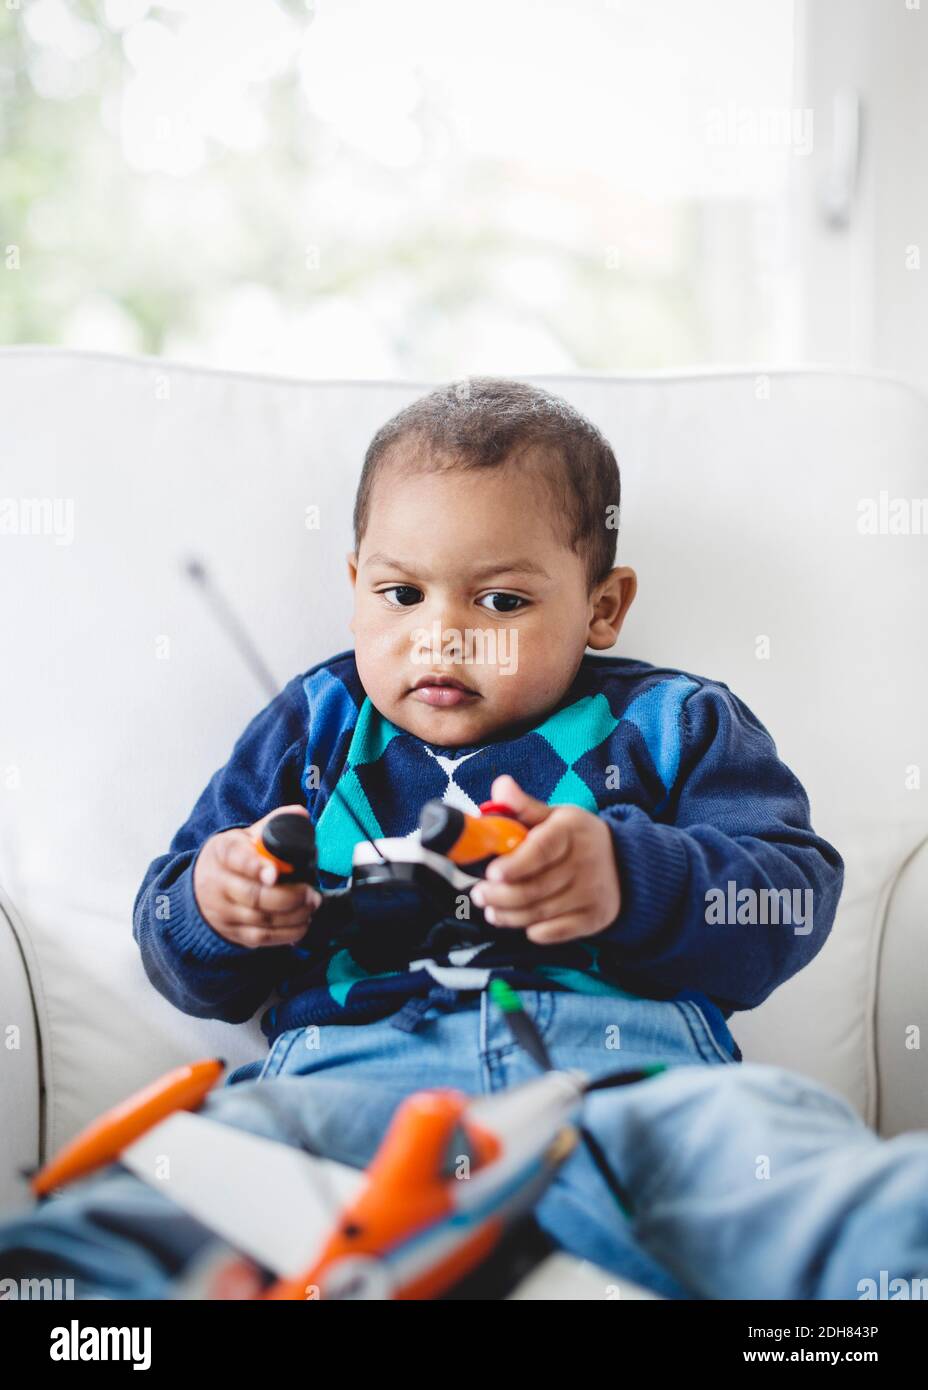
point(235, 890)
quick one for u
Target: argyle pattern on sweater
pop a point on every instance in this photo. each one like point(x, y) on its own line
point(684, 774)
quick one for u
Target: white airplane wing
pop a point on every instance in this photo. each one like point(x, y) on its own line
point(563, 1277)
point(269, 1200)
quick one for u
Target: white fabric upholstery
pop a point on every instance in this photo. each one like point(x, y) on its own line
point(740, 514)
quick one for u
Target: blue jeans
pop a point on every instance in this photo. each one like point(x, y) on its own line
point(745, 1181)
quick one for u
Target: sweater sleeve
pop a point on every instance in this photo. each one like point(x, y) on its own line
point(730, 891)
point(188, 962)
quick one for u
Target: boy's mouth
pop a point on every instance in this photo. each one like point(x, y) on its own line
point(442, 691)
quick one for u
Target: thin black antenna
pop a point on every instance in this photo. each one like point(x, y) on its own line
point(196, 570)
point(354, 816)
point(235, 629)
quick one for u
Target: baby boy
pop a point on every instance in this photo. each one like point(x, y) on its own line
point(483, 570)
point(670, 875)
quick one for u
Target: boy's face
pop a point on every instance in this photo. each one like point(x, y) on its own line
point(463, 576)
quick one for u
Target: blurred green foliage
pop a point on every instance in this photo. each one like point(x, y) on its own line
point(255, 254)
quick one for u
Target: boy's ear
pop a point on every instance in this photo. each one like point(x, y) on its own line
point(352, 559)
point(611, 601)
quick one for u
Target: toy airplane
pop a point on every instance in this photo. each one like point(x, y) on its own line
point(451, 1177)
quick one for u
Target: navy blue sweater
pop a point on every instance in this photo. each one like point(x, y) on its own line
point(727, 890)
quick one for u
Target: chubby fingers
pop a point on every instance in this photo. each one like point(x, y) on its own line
point(578, 921)
point(237, 855)
point(535, 882)
point(265, 933)
point(528, 809)
point(528, 900)
point(247, 885)
point(240, 905)
point(266, 871)
point(562, 881)
point(545, 846)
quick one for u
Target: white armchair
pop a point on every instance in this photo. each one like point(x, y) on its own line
point(120, 695)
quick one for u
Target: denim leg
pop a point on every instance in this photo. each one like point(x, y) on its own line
point(755, 1182)
point(115, 1236)
point(600, 1034)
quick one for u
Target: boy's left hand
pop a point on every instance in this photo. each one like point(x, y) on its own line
point(562, 881)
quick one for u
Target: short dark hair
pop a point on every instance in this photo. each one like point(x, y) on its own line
point(478, 423)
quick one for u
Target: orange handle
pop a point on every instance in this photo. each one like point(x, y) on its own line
point(103, 1140)
point(262, 849)
point(486, 836)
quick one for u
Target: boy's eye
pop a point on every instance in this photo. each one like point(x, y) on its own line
point(406, 594)
point(507, 603)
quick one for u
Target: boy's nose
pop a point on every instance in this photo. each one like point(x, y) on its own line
point(440, 645)
point(443, 627)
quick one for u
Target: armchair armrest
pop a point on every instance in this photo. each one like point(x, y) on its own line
point(21, 1087)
